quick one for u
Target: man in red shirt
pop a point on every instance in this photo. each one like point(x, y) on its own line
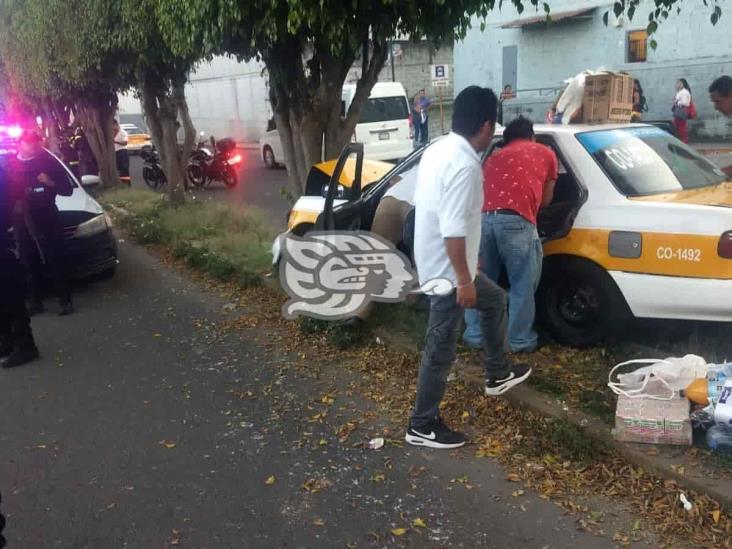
point(518, 180)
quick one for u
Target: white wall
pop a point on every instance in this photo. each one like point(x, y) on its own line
point(229, 99)
point(688, 46)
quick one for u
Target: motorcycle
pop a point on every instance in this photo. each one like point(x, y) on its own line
point(206, 166)
point(152, 172)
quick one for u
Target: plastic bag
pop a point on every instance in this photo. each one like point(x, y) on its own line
point(717, 376)
point(660, 379)
point(723, 409)
point(571, 100)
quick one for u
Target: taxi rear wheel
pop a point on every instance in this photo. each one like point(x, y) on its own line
point(580, 304)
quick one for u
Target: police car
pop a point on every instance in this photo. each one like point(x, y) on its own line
point(640, 226)
point(90, 244)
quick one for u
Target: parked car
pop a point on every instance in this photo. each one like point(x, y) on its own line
point(90, 244)
point(640, 226)
point(270, 147)
point(137, 138)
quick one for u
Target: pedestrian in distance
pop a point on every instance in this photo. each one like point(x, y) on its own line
point(519, 179)
point(423, 103)
point(17, 346)
point(506, 95)
point(640, 104)
point(416, 121)
point(720, 93)
point(37, 224)
point(121, 153)
point(448, 199)
point(681, 109)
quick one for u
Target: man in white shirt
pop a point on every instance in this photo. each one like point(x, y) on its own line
point(121, 152)
point(448, 200)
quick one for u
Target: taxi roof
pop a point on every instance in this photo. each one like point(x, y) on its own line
point(580, 128)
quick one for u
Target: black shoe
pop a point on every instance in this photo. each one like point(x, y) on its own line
point(67, 307)
point(496, 387)
point(22, 354)
point(6, 346)
point(435, 435)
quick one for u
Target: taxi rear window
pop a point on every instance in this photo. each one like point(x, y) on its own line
point(644, 161)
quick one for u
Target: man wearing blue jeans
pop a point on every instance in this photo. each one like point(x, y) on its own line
point(518, 180)
point(448, 198)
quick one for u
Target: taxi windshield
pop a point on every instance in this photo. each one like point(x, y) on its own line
point(643, 161)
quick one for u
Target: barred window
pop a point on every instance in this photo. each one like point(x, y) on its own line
point(637, 46)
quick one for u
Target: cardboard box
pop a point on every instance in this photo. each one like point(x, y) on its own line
point(653, 421)
point(607, 98)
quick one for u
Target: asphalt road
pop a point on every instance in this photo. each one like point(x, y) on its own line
point(145, 426)
point(258, 185)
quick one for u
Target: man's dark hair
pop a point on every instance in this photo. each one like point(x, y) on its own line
point(473, 107)
point(519, 128)
point(722, 85)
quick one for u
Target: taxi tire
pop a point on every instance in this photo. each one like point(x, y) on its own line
point(565, 274)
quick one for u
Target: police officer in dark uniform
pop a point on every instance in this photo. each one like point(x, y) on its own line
point(38, 226)
point(17, 345)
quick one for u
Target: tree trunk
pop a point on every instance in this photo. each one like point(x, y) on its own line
point(150, 106)
point(307, 102)
point(96, 117)
point(189, 130)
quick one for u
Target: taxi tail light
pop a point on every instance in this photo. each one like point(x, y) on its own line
point(724, 248)
point(411, 127)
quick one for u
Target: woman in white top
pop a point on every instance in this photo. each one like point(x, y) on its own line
point(682, 103)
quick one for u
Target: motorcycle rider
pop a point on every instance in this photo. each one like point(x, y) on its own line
point(37, 225)
point(17, 345)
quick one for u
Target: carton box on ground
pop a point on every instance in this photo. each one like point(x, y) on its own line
point(607, 98)
point(653, 421)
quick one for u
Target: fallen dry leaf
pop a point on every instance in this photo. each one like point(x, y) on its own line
point(419, 523)
point(270, 480)
point(513, 477)
point(715, 515)
point(398, 531)
point(319, 522)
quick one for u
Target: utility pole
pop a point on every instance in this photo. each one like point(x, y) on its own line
point(442, 114)
point(391, 55)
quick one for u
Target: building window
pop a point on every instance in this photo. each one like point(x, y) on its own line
point(637, 46)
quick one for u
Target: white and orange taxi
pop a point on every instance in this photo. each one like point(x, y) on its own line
point(640, 226)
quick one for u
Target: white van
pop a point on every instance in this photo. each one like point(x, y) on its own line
point(385, 127)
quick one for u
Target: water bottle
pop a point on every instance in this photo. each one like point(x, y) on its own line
point(719, 439)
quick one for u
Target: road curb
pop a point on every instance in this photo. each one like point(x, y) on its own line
point(662, 466)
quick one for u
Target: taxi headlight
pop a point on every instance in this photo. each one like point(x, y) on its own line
point(95, 225)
